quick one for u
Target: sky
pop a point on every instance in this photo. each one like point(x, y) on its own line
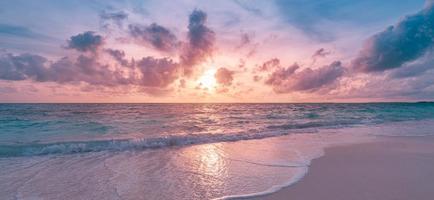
point(216, 51)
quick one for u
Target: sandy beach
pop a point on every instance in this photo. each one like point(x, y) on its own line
point(399, 168)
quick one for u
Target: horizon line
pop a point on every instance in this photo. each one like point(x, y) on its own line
point(305, 102)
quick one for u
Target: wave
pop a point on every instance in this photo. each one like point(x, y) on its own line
point(133, 144)
point(323, 124)
point(71, 147)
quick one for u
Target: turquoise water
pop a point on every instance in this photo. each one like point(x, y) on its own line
point(35, 129)
point(145, 151)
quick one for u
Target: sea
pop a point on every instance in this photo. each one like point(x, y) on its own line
point(182, 151)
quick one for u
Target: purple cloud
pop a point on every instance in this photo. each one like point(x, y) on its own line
point(269, 65)
point(37, 68)
point(109, 18)
point(87, 41)
point(154, 35)
point(281, 74)
point(157, 72)
point(147, 72)
point(320, 53)
point(308, 80)
point(119, 56)
point(201, 41)
point(22, 67)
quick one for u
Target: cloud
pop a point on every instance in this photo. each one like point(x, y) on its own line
point(415, 68)
point(87, 41)
point(200, 41)
point(224, 76)
point(386, 87)
point(157, 72)
point(406, 41)
point(281, 74)
point(320, 53)
point(155, 35)
point(244, 40)
point(22, 67)
point(269, 65)
point(118, 55)
point(285, 80)
point(198, 47)
point(146, 73)
point(116, 17)
point(149, 74)
point(85, 69)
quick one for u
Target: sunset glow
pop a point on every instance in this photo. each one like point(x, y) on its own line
point(207, 80)
point(225, 51)
point(216, 100)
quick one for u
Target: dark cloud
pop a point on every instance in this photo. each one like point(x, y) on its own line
point(155, 35)
point(309, 80)
point(224, 76)
point(201, 41)
point(408, 40)
point(119, 56)
point(116, 17)
point(87, 41)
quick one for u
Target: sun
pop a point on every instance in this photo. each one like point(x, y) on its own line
point(207, 80)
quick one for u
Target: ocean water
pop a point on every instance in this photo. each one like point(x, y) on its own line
point(34, 129)
point(181, 151)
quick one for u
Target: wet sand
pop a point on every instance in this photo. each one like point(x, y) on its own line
point(399, 168)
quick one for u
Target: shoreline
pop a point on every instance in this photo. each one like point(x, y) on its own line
point(387, 168)
point(268, 168)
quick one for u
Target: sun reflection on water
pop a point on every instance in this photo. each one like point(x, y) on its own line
point(211, 162)
point(207, 167)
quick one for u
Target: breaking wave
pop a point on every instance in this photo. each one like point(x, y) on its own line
point(133, 144)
